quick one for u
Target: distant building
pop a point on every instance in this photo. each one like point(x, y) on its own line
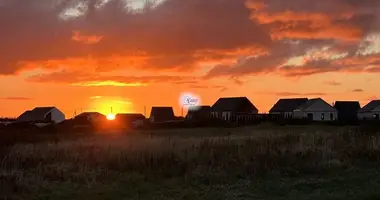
point(161, 114)
point(230, 108)
point(316, 110)
point(370, 111)
point(347, 110)
point(130, 119)
point(286, 107)
point(199, 113)
point(42, 115)
point(93, 117)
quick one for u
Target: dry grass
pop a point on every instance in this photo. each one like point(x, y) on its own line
point(194, 160)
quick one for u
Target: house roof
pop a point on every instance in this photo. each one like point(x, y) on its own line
point(86, 114)
point(130, 116)
point(370, 106)
point(162, 113)
point(347, 106)
point(288, 105)
point(310, 102)
point(37, 114)
point(237, 104)
point(199, 109)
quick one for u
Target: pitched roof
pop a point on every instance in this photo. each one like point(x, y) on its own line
point(237, 104)
point(199, 109)
point(370, 106)
point(86, 114)
point(288, 105)
point(347, 106)
point(307, 104)
point(37, 114)
point(130, 116)
point(162, 113)
point(26, 116)
point(310, 102)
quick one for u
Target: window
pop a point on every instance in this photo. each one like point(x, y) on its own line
point(310, 116)
point(332, 116)
point(323, 116)
point(376, 116)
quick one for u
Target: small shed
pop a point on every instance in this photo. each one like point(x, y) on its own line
point(161, 114)
point(286, 107)
point(370, 111)
point(42, 115)
point(316, 110)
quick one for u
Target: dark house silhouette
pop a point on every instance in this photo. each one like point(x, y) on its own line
point(41, 115)
point(347, 110)
point(199, 113)
point(161, 114)
point(230, 108)
point(285, 107)
point(130, 119)
point(89, 117)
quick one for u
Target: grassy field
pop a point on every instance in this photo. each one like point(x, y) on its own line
point(242, 163)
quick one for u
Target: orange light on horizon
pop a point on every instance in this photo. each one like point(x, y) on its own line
point(111, 117)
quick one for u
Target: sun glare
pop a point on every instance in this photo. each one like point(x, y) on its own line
point(110, 117)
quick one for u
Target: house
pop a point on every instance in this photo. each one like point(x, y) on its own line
point(316, 110)
point(230, 108)
point(370, 111)
point(285, 107)
point(347, 110)
point(90, 117)
point(42, 115)
point(130, 119)
point(199, 113)
point(161, 114)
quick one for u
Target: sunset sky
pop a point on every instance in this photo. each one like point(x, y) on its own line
point(83, 55)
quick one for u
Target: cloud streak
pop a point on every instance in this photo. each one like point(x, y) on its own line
point(16, 98)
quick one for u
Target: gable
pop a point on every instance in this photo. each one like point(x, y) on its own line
point(288, 105)
point(319, 105)
point(371, 106)
point(236, 104)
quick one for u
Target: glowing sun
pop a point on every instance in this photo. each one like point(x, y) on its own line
point(110, 117)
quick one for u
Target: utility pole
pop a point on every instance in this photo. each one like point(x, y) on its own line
point(145, 111)
point(182, 111)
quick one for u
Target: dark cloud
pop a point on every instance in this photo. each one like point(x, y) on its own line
point(16, 98)
point(333, 83)
point(358, 90)
point(218, 87)
point(287, 94)
point(295, 94)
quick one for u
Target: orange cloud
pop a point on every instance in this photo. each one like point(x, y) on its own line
point(92, 39)
point(108, 83)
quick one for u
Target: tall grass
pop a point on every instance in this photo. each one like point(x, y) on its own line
point(207, 160)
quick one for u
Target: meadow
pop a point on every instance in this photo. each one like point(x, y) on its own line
point(262, 162)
